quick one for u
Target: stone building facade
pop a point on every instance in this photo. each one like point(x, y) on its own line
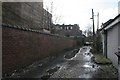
point(23, 14)
point(47, 20)
point(68, 30)
point(30, 15)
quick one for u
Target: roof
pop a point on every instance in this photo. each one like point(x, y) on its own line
point(47, 12)
point(106, 24)
point(63, 25)
point(109, 22)
point(118, 54)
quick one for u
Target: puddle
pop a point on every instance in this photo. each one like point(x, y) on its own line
point(50, 72)
point(71, 54)
point(85, 76)
point(72, 63)
point(70, 58)
point(87, 66)
point(90, 65)
point(62, 67)
point(45, 77)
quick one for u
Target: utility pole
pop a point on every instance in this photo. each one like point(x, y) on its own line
point(93, 30)
point(93, 23)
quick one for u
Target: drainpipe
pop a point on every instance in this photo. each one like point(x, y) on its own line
point(118, 55)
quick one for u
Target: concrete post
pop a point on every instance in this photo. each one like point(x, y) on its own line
point(118, 54)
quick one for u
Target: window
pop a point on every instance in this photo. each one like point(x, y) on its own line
point(67, 28)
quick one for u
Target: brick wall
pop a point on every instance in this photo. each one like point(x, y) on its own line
point(21, 48)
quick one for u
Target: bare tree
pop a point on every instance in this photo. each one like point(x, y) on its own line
point(50, 6)
point(88, 33)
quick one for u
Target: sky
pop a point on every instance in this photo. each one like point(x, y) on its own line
point(80, 11)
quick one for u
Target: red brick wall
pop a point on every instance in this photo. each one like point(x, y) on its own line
point(21, 48)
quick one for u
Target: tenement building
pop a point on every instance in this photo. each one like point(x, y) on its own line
point(68, 30)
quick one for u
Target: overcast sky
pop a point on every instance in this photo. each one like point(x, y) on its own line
point(80, 11)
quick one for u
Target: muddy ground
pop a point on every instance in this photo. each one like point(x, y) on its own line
point(77, 63)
